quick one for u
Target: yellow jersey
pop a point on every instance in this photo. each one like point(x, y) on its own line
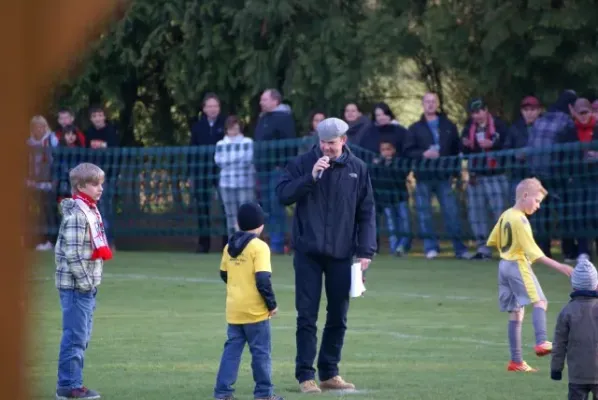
point(244, 304)
point(512, 235)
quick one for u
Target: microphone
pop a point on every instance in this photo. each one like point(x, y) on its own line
point(322, 171)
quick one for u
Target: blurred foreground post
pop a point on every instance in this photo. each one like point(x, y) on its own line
point(38, 38)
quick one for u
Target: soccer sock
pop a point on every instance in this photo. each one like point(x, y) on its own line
point(539, 319)
point(515, 341)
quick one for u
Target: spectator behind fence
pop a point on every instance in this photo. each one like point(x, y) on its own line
point(518, 138)
point(42, 204)
point(103, 135)
point(275, 123)
point(540, 160)
point(358, 124)
point(433, 143)
point(332, 224)
point(384, 126)
point(487, 184)
point(389, 174)
point(66, 160)
point(67, 118)
point(203, 171)
point(234, 157)
point(311, 139)
point(579, 172)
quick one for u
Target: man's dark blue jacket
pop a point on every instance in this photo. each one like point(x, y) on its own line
point(334, 216)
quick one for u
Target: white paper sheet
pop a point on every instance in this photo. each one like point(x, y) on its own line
point(357, 286)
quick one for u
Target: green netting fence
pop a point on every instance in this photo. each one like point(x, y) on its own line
point(187, 191)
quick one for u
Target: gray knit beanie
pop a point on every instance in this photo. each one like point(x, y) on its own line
point(584, 276)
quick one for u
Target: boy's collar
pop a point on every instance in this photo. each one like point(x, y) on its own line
point(584, 293)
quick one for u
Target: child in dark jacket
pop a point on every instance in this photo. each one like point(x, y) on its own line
point(576, 335)
point(389, 174)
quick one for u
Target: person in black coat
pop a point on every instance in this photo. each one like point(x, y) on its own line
point(334, 221)
point(205, 133)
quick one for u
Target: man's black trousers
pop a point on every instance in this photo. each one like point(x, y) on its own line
point(311, 271)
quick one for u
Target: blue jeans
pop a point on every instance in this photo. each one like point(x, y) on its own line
point(275, 210)
point(77, 323)
point(260, 345)
point(398, 223)
point(450, 212)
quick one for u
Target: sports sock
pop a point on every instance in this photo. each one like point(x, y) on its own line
point(539, 319)
point(515, 341)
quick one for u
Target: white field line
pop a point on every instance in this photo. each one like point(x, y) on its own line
point(184, 279)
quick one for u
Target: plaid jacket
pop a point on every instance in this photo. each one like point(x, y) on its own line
point(74, 267)
point(545, 132)
point(234, 156)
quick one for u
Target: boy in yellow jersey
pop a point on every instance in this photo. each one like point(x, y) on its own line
point(250, 303)
point(517, 283)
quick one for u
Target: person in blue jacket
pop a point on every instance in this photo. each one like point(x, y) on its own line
point(334, 222)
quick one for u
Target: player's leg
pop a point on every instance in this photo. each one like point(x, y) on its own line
point(337, 285)
point(308, 290)
point(508, 303)
point(229, 362)
point(527, 289)
point(260, 345)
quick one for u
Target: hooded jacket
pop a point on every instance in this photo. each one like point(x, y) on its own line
point(236, 244)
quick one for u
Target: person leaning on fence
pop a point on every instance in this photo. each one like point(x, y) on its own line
point(250, 303)
point(80, 252)
point(334, 221)
point(576, 335)
point(234, 157)
point(433, 144)
point(487, 186)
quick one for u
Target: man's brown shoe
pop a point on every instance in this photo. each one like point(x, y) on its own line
point(336, 383)
point(309, 387)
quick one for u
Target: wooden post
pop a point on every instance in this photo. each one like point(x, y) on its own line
point(39, 38)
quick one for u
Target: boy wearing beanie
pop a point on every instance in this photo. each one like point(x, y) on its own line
point(576, 335)
point(250, 303)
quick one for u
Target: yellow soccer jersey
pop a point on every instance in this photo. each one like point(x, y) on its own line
point(244, 304)
point(512, 236)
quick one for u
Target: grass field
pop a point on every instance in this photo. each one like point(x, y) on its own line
point(424, 330)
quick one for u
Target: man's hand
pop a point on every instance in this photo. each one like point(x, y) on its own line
point(320, 165)
point(431, 153)
point(565, 269)
point(273, 312)
point(365, 263)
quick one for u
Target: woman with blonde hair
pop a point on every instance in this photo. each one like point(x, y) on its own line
point(42, 207)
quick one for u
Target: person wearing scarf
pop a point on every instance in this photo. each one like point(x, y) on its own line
point(80, 252)
point(488, 185)
point(578, 170)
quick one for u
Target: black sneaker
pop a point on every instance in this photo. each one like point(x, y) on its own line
point(273, 397)
point(79, 393)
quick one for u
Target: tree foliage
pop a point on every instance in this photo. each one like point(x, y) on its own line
point(152, 68)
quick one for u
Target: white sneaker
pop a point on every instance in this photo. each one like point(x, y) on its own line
point(431, 254)
point(44, 246)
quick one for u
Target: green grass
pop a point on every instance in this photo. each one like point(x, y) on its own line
point(424, 330)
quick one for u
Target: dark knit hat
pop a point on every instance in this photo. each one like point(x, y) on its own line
point(250, 216)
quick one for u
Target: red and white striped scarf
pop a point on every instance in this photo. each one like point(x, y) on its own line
point(96, 226)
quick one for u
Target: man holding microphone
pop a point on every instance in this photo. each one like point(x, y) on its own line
point(334, 222)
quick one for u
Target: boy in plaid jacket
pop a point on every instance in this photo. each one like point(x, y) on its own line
point(80, 252)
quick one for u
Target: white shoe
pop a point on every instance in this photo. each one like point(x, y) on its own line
point(44, 246)
point(431, 254)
